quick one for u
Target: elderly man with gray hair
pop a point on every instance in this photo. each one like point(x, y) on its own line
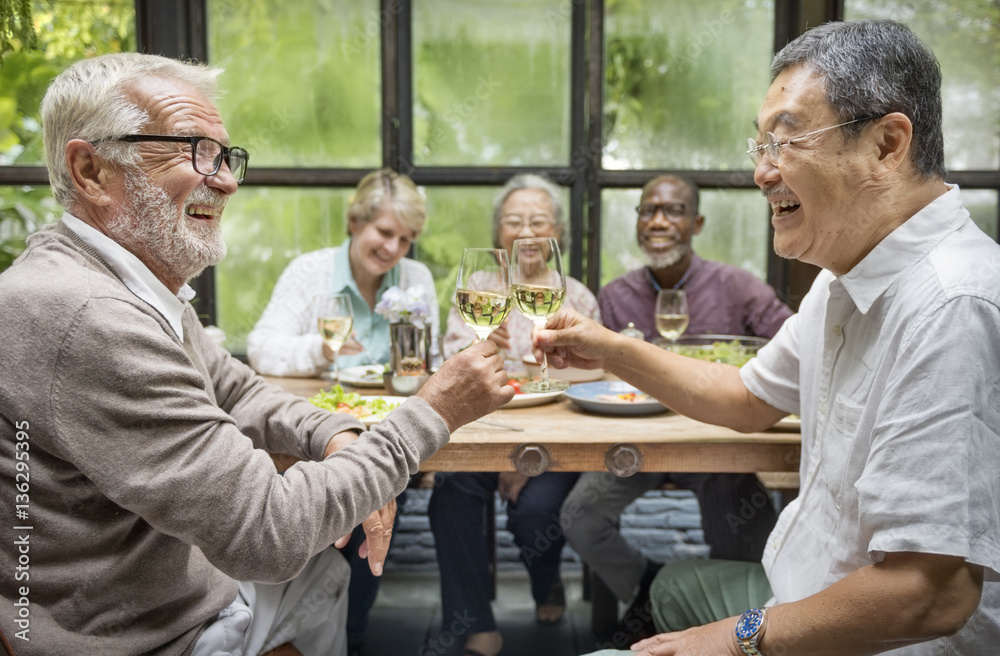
point(153, 519)
point(893, 545)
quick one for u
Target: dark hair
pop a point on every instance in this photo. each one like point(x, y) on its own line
point(872, 68)
point(674, 179)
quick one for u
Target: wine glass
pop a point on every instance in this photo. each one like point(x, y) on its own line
point(482, 291)
point(335, 319)
point(671, 313)
point(539, 288)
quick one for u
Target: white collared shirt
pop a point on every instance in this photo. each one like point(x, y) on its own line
point(136, 275)
point(895, 370)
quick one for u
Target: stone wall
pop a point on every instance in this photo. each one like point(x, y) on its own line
point(663, 524)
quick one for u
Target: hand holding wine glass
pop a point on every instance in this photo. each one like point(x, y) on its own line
point(671, 313)
point(482, 291)
point(539, 288)
point(335, 318)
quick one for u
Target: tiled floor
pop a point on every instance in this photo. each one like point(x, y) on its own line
point(406, 619)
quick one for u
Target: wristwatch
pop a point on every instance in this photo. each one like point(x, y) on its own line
point(749, 629)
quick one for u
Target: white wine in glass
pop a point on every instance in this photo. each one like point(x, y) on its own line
point(482, 291)
point(335, 318)
point(671, 313)
point(539, 289)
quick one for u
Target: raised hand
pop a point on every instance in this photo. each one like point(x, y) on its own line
point(469, 385)
point(570, 339)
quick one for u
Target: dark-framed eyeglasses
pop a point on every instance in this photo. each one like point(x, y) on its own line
point(207, 154)
point(672, 212)
point(773, 145)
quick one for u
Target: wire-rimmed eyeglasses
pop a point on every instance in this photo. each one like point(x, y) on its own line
point(773, 145)
point(207, 154)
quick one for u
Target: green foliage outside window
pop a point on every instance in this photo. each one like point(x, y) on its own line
point(683, 81)
point(66, 32)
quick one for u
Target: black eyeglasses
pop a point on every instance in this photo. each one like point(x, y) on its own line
point(207, 154)
point(672, 212)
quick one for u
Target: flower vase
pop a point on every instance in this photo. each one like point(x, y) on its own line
point(409, 358)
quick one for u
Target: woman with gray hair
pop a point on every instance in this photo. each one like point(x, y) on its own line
point(529, 205)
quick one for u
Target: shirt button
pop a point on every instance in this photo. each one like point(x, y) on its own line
point(837, 330)
point(822, 408)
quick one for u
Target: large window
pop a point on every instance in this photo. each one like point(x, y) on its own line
point(491, 83)
point(683, 81)
point(602, 95)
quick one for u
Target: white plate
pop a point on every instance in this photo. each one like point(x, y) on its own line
point(374, 419)
point(369, 375)
point(538, 398)
point(569, 374)
point(598, 397)
point(791, 422)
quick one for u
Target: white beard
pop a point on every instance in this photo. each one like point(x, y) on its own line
point(148, 224)
point(657, 261)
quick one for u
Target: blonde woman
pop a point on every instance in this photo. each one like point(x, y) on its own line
point(386, 216)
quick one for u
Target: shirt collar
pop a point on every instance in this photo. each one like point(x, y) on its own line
point(136, 275)
point(692, 266)
point(343, 279)
point(903, 247)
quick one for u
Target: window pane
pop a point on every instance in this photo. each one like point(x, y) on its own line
point(983, 206)
point(67, 32)
point(23, 210)
point(302, 80)
point(964, 36)
point(491, 82)
point(457, 218)
point(265, 228)
point(736, 231)
point(683, 82)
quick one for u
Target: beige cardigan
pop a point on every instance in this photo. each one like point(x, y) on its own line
point(151, 491)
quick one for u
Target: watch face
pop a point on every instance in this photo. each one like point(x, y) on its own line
point(749, 623)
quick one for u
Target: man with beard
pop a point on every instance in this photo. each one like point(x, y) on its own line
point(150, 516)
point(723, 300)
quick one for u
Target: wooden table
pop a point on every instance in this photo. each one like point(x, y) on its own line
point(578, 441)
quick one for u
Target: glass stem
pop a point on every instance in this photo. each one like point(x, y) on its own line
point(544, 380)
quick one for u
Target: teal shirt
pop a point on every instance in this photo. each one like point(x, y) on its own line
point(371, 329)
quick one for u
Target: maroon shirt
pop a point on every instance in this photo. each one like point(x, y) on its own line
point(722, 300)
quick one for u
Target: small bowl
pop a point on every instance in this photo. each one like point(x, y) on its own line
point(403, 384)
point(569, 374)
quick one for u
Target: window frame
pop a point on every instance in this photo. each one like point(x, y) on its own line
point(178, 29)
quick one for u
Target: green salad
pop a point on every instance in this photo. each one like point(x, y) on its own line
point(734, 352)
point(362, 407)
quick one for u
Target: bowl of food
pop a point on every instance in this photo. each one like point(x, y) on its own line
point(569, 374)
point(728, 349)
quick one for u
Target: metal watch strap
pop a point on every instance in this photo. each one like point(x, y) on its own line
point(749, 629)
point(749, 649)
